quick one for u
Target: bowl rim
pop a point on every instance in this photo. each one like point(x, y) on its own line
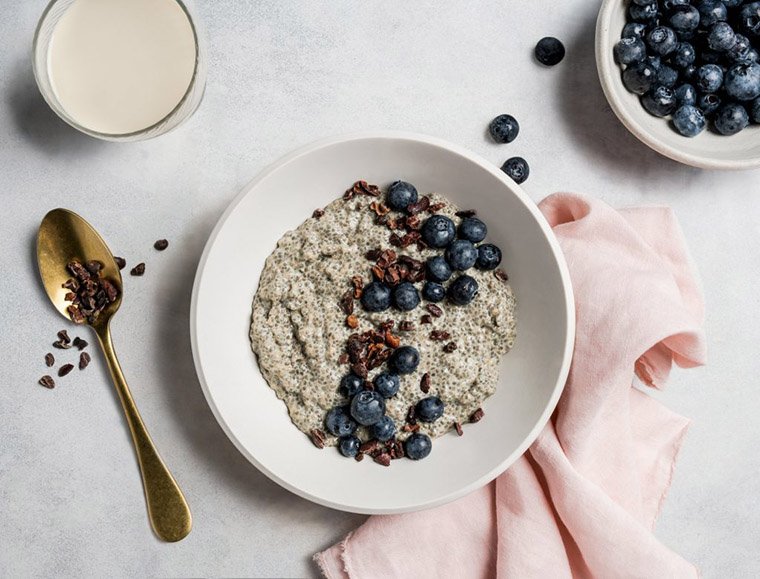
point(554, 246)
point(605, 65)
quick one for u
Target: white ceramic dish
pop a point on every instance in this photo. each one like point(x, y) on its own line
point(532, 375)
point(707, 150)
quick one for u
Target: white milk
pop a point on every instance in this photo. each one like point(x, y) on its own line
point(120, 66)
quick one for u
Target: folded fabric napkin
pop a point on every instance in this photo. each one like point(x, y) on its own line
point(582, 502)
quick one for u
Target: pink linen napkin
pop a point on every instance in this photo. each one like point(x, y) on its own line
point(584, 498)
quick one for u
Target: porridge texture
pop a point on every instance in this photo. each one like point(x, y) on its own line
point(300, 328)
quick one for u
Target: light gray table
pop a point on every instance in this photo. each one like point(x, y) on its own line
point(283, 74)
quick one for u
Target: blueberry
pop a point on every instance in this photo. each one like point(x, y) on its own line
point(461, 254)
point(405, 359)
point(438, 269)
point(634, 29)
point(639, 77)
point(755, 111)
point(643, 12)
point(684, 20)
point(438, 231)
point(418, 446)
point(709, 103)
point(350, 384)
point(751, 56)
point(463, 290)
point(721, 37)
point(338, 422)
point(349, 446)
point(504, 129)
point(629, 49)
point(473, 229)
point(749, 19)
point(406, 297)
point(662, 40)
point(740, 50)
point(654, 60)
point(376, 297)
point(711, 11)
point(684, 55)
point(367, 407)
point(429, 409)
point(401, 194)
point(384, 429)
point(667, 76)
point(433, 292)
point(731, 119)
point(549, 51)
point(516, 169)
point(689, 120)
point(686, 94)
point(489, 256)
point(660, 101)
point(689, 74)
point(709, 77)
point(387, 384)
point(742, 81)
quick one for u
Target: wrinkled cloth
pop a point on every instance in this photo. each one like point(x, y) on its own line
point(583, 500)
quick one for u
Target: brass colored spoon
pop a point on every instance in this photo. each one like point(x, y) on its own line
point(65, 237)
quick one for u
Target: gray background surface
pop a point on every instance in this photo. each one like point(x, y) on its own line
point(283, 74)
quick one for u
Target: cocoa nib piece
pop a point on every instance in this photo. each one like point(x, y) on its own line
point(318, 213)
point(65, 369)
point(84, 360)
point(450, 347)
point(409, 261)
point(477, 415)
point(425, 383)
point(406, 326)
point(395, 240)
point(391, 340)
point(458, 428)
point(426, 319)
point(411, 415)
point(383, 458)
point(352, 321)
point(501, 275)
point(439, 335)
point(410, 427)
point(379, 208)
point(138, 270)
point(76, 316)
point(49, 360)
point(79, 343)
point(61, 345)
point(362, 188)
point(317, 437)
point(360, 369)
point(347, 302)
point(343, 358)
point(47, 382)
point(89, 294)
point(358, 284)
point(93, 267)
point(466, 213)
point(63, 336)
point(161, 244)
point(387, 325)
point(121, 263)
point(434, 310)
point(359, 457)
point(422, 204)
point(435, 207)
point(373, 254)
point(78, 271)
point(370, 447)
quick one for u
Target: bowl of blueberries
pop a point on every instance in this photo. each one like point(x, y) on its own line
point(684, 77)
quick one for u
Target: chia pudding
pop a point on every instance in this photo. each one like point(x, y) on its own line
point(354, 288)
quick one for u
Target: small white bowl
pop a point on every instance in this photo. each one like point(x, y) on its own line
point(707, 150)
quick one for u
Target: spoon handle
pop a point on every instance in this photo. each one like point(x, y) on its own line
point(168, 511)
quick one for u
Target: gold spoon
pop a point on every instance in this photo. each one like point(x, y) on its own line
point(65, 237)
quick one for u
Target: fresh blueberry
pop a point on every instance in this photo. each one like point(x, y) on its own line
point(504, 129)
point(376, 297)
point(731, 119)
point(433, 292)
point(418, 446)
point(660, 101)
point(742, 81)
point(709, 103)
point(401, 194)
point(438, 269)
point(639, 77)
point(667, 76)
point(755, 111)
point(721, 37)
point(350, 384)
point(684, 20)
point(384, 429)
point(516, 169)
point(339, 423)
point(740, 50)
point(463, 290)
point(749, 19)
point(709, 77)
point(549, 51)
point(387, 384)
point(405, 359)
point(438, 231)
point(684, 55)
point(643, 12)
point(751, 56)
point(461, 254)
point(686, 94)
point(367, 407)
point(406, 297)
point(689, 120)
point(634, 29)
point(689, 74)
point(654, 60)
point(489, 256)
point(349, 446)
point(662, 40)
point(629, 49)
point(710, 12)
point(429, 409)
point(473, 229)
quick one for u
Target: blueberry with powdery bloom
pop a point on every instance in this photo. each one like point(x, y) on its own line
point(643, 12)
point(686, 94)
point(489, 256)
point(367, 407)
point(350, 385)
point(634, 29)
point(630, 49)
point(549, 51)
point(418, 446)
point(709, 78)
point(349, 446)
point(689, 121)
point(463, 290)
point(662, 40)
point(742, 81)
point(438, 269)
point(384, 429)
point(473, 229)
point(405, 359)
point(433, 292)
point(504, 129)
point(721, 37)
point(339, 423)
point(710, 12)
point(660, 101)
point(406, 297)
point(639, 77)
point(667, 76)
point(376, 297)
point(749, 19)
point(684, 20)
point(684, 55)
point(516, 169)
point(438, 231)
point(386, 384)
point(401, 194)
point(709, 103)
point(461, 255)
point(731, 119)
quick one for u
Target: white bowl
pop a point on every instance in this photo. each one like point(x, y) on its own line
point(531, 376)
point(707, 150)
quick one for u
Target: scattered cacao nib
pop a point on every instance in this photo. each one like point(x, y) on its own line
point(383, 459)
point(65, 369)
point(466, 213)
point(47, 382)
point(477, 415)
point(84, 360)
point(391, 340)
point(501, 275)
point(387, 325)
point(425, 383)
point(411, 415)
point(392, 223)
point(138, 270)
point(362, 188)
point(76, 316)
point(78, 271)
point(161, 244)
point(71, 297)
point(439, 335)
point(359, 457)
point(318, 213)
point(379, 208)
point(421, 245)
point(121, 263)
point(412, 223)
point(410, 238)
point(406, 326)
point(395, 240)
point(79, 343)
point(93, 267)
point(358, 284)
point(61, 345)
point(434, 310)
point(458, 428)
point(382, 357)
point(370, 446)
point(343, 358)
point(352, 321)
point(378, 273)
point(413, 264)
point(63, 336)
point(422, 204)
point(318, 438)
point(386, 258)
point(92, 293)
point(417, 276)
point(360, 369)
point(450, 347)
point(373, 254)
point(347, 302)
point(399, 448)
point(49, 360)
point(368, 385)
point(410, 427)
point(435, 207)
point(426, 319)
